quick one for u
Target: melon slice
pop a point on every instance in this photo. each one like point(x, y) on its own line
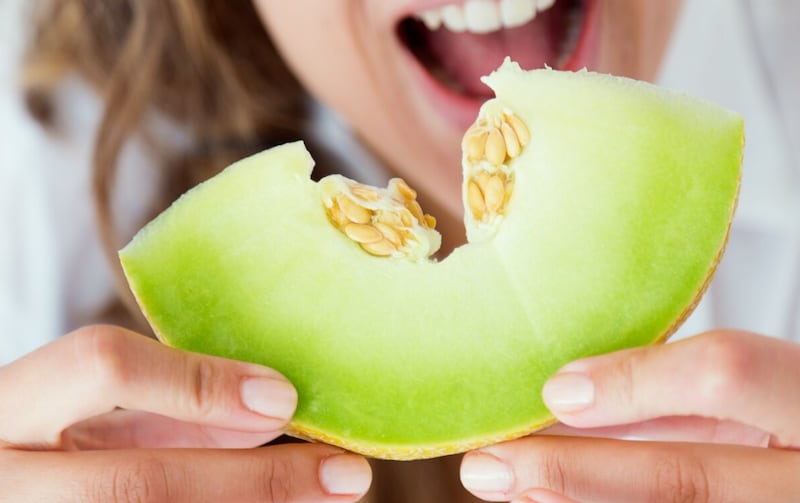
point(597, 210)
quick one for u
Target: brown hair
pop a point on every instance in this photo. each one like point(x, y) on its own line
point(219, 79)
point(210, 67)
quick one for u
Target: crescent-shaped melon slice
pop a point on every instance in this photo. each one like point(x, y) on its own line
point(597, 210)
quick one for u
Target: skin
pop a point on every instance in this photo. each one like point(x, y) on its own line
point(724, 401)
point(119, 417)
point(114, 413)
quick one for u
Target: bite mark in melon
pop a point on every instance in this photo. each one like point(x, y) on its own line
point(597, 209)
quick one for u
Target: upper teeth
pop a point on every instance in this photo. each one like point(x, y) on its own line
point(483, 16)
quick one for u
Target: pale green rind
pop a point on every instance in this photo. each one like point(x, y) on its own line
point(621, 209)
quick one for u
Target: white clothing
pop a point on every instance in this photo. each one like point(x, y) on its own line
point(728, 52)
point(52, 270)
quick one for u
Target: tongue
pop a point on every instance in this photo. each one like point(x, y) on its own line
point(463, 58)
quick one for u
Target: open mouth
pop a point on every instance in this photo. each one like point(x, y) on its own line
point(457, 43)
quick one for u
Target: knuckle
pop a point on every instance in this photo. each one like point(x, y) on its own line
point(104, 348)
point(277, 487)
point(728, 367)
point(680, 479)
point(553, 472)
point(623, 377)
point(204, 385)
point(141, 481)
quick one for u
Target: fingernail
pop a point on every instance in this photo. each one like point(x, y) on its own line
point(568, 392)
point(275, 398)
point(345, 474)
point(483, 473)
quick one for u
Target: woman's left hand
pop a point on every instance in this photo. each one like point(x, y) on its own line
point(724, 408)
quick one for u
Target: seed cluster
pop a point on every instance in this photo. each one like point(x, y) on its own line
point(488, 146)
point(383, 222)
point(488, 193)
point(496, 140)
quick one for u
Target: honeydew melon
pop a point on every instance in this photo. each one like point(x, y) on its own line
point(615, 213)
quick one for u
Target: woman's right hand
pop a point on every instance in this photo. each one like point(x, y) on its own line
point(104, 414)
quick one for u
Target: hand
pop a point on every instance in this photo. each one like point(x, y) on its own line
point(732, 398)
point(104, 414)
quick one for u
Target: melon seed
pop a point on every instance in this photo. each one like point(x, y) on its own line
point(494, 194)
point(390, 233)
point(353, 211)
point(519, 127)
point(363, 233)
point(511, 140)
point(403, 188)
point(382, 248)
point(475, 200)
point(495, 147)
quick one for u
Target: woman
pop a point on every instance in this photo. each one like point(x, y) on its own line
point(188, 87)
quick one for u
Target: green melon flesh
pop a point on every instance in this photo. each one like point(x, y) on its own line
point(620, 213)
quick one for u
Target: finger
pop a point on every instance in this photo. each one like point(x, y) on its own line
point(672, 429)
point(725, 375)
point(97, 369)
point(125, 429)
point(618, 471)
point(285, 473)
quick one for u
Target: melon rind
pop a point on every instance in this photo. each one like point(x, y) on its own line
point(621, 208)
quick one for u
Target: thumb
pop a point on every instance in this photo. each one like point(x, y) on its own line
point(721, 375)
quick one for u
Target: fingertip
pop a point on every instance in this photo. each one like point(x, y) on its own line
point(345, 475)
point(486, 475)
point(569, 392)
point(271, 397)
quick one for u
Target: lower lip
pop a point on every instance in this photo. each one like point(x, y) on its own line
point(460, 110)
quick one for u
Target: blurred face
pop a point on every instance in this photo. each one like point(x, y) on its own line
point(405, 73)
